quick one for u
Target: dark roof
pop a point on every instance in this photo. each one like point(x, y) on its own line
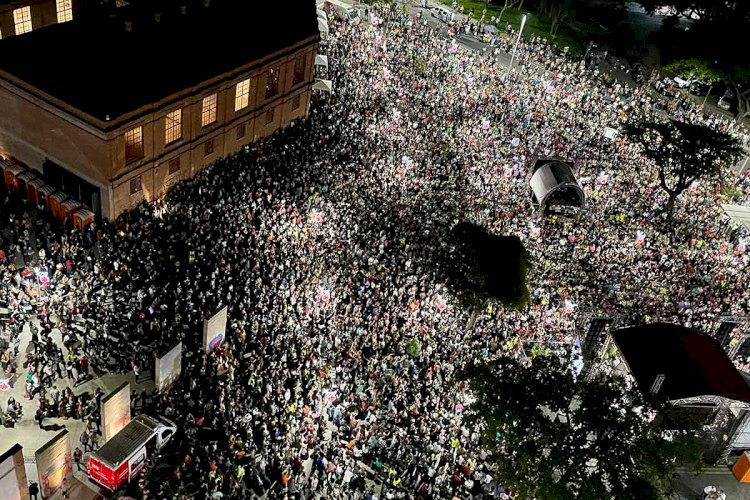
point(96, 66)
point(692, 363)
point(12, 451)
point(129, 439)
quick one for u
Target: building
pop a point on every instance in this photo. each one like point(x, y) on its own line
point(115, 109)
point(22, 16)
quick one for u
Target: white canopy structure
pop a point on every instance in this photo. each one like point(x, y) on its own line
point(321, 60)
point(324, 85)
point(323, 27)
point(554, 187)
point(739, 214)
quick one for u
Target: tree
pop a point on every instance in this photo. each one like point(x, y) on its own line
point(694, 69)
point(483, 267)
point(506, 4)
point(683, 152)
point(556, 437)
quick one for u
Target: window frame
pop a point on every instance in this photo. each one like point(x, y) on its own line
point(296, 102)
point(134, 152)
point(269, 113)
point(209, 110)
point(272, 75)
point(136, 185)
point(240, 132)
point(22, 17)
point(173, 127)
point(172, 163)
point(299, 77)
point(64, 13)
point(208, 148)
point(242, 95)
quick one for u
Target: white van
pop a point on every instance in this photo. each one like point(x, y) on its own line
point(343, 10)
point(443, 13)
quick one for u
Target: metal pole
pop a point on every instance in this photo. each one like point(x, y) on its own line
point(707, 94)
point(515, 47)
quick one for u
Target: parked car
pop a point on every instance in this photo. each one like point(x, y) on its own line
point(443, 13)
point(727, 100)
point(681, 82)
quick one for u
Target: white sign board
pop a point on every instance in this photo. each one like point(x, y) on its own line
point(610, 133)
point(168, 368)
point(214, 330)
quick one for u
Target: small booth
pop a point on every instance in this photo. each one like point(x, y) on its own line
point(23, 181)
point(69, 207)
point(554, 188)
point(83, 218)
point(54, 204)
point(43, 193)
point(32, 190)
point(11, 171)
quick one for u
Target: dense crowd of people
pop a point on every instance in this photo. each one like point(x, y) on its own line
point(336, 377)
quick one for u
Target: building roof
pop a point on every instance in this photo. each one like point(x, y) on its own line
point(96, 66)
point(130, 438)
point(693, 364)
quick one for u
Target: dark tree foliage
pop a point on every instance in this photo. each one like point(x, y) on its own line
point(483, 267)
point(683, 152)
point(555, 437)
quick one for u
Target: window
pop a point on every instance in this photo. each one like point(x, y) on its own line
point(272, 82)
point(240, 132)
point(295, 102)
point(134, 144)
point(208, 147)
point(299, 70)
point(174, 166)
point(208, 113)
point(242, 95)
point(64, 11)
point(269, 116)
point(173, 127)
point(136, 185)
point(22, 20)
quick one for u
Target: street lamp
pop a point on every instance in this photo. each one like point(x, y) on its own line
point(515, 47)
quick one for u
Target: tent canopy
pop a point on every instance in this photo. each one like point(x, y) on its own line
point(739, 214)
point(322, 27)
point(321, 60)
point(554, 186)
point(324, 85)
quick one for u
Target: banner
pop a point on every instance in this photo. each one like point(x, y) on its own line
point(115, 411)
point(53, 463)
point(214, 330)
point(13, 483)
point(168, 368)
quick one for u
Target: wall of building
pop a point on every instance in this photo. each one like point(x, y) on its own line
point(43, 13)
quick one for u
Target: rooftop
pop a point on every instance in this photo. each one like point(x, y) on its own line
point(693, 364)
point(97, 66)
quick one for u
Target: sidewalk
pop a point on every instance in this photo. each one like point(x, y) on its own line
point(688, 486)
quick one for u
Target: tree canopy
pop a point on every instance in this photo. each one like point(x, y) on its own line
point(683, 152)
point(556, 437)
point(698, 69)
point(483, 267)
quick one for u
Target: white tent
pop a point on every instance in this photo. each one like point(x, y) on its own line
point(322, 14)
point(323, 27)
point(324, 85)
point(739, 214)
point(554, 183)
point(321, 60)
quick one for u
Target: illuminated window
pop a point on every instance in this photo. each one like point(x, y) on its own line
point(299, 70)
point(242, 95)
point(22, 20)
point(240, 132)
point(136, 185)
point(134, 144)
point(208, 147)
point(295, 102)
point(269, 116)
point(272, 82)
point(174, 166)
point(173, 126)
point(64, 11)
point(208, 113)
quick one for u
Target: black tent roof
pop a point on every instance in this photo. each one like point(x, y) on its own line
point(693, 364)
point(95, 65)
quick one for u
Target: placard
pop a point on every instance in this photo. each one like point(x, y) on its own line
point(214, 330)
point(13, 483)
point(115, 411)
point(168, 368)
point(53, 463)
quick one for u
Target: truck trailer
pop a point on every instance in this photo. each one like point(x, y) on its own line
point(119, 460)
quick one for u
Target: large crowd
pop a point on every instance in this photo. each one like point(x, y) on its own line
point(320, 241)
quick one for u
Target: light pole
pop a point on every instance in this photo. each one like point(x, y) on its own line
point(515, 47)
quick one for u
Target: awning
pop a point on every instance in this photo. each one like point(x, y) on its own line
point(11, 167)
point(323, 27)
point(554, 183)
point(321, 60)
point(324, 85)
point(739, 214)
point(26, 176)
point(322, 14)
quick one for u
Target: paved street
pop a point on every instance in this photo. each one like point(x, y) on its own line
point(28, 434)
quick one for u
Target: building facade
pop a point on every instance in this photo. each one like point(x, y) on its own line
point(22, 16)
point(114, 162)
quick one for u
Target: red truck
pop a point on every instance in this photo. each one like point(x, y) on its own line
point(122, 457)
